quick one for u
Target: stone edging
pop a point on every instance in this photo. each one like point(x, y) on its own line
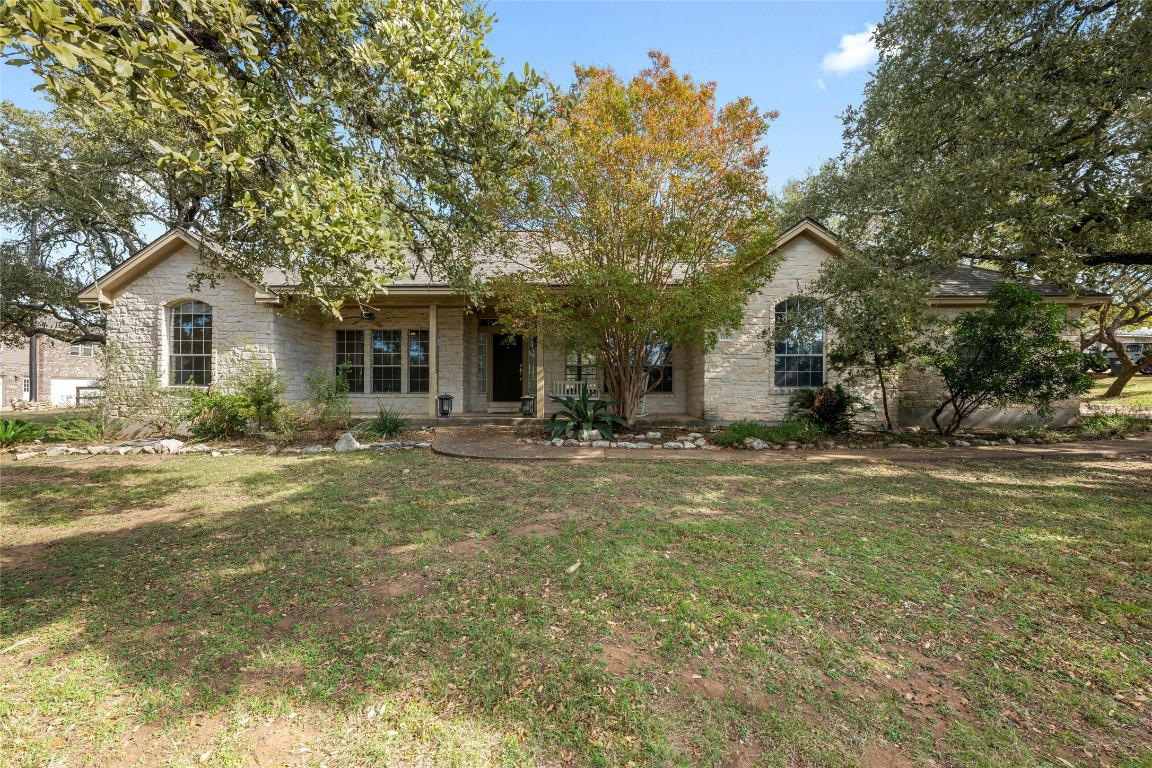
point(173, 447)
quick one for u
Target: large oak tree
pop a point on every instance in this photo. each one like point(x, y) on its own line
point(329, 137)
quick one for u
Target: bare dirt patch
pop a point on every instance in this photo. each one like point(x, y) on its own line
point(280, 741)
point(884, 756)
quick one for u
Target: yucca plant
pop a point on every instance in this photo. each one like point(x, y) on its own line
point(580, 415)
point(16, 431)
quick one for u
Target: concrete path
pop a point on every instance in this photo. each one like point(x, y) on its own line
point(499, 444)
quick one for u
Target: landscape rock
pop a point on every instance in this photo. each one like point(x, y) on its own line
point(642, 445)
point(56, 450)
point(701, 442)
point(347, 443)
point(961, 443)
point(570, 443)
point(673, 446)
point(27, 455)
point(1008, 441)
point(198, 448)
point(688, 445)
point(826, 445)
point(652, 435)
point(693, 436)
point(271, 449)
point(170, 445)
point(217, 453)
point(755, 443)
point(96, 450)
point(595, 435)
point(559, 441)
point(122, 450)
point(307, 451)
point(901, 445)
point(601, 444)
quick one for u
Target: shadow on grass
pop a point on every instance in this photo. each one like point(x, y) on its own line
point(332, 579)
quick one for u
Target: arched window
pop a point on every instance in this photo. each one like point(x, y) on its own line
point(190, 347)
point(799, 353)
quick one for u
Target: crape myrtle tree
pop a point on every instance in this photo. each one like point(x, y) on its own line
point(646, 225)
point(1012, 353)
point(1017, 133)
point(1130, 306)
point(330, 137)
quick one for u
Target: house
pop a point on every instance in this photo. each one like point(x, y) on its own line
point(46, 370)
point(421, 339)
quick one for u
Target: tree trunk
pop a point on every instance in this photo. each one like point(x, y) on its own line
point(1130, 370)
point(883, 394)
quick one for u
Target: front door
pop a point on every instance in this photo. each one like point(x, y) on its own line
point(507, 368)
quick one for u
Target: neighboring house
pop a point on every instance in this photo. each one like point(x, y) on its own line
point(421, 339)
point(46, 370)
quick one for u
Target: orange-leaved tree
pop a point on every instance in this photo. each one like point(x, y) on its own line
point(645, 225)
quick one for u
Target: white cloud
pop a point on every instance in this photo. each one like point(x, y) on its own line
point(856, 52)
point(820, 82)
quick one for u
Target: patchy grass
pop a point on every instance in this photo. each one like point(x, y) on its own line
point(399, 609)
point(1137, 392)
point(1113, 424)
point(734, 435)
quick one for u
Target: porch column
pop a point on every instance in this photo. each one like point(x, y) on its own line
point(433, 362)
point(541, 392)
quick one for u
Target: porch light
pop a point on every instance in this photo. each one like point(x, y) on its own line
point(528, 405)
point(445, 403)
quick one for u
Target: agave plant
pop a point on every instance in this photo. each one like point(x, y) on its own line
point(16, 431)
point(580, 415)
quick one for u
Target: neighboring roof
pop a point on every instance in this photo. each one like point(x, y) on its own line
point(965, 282)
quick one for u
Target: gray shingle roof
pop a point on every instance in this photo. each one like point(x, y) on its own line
point(976, 282)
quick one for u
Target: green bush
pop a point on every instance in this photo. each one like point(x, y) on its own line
point(388, 422)
point(260, 386)
point(829, 408)
point(580, 415)
point(734, 434)
point(77, 430)
point(1114, 424)
point(1095, 361)
point(17, 431)
point(213, 416)
point(329, 397)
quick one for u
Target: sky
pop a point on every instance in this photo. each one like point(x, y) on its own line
point(806, 59)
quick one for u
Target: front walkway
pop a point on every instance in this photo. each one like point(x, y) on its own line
point(500, 444)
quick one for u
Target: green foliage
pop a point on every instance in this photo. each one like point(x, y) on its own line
point(388, 422)
point(734, 434)
point(260, 386)
point(328, 396)
point(829, 408)
point(1029, 148)
point(650, 205)
point(16, 431)
point(581, 415)
point(215, 415)
point(77, 429)
point(285, 425)
point(1095, 361)
point(1114, 424)
point(1012, 353)
point(327, 138)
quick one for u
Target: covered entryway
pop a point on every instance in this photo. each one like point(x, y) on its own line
point(507, 368)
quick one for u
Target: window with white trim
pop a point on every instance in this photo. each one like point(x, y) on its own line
point(659, 361)
point(799, 358)
point(190, 345)
point(80, 350)
point(580, 366)
point(482, 362)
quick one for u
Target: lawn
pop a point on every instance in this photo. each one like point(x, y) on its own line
point(409, 609)
point(1137, 392)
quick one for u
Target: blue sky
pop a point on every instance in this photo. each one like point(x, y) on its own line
point(806, 59)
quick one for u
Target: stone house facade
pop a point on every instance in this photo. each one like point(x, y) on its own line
point(421, 339)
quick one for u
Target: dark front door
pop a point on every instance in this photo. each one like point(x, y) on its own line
point(507, 364)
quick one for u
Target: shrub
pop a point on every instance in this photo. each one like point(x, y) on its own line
point(77, 430)
point(260, 386)
point(215, 415)
point(829, 408)
point(1114, 424)
point(388, 422)
point(17, 431)
point(329, 397)
point(580, 415)
point(735, 433)
point(1012, 353)
point(1095, 361)
point(284, 425)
